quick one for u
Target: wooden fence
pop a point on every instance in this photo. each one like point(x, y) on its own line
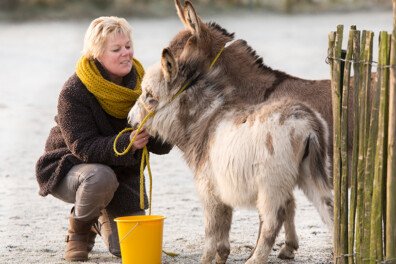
point(365, 213)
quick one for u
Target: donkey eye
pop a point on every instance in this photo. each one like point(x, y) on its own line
point(151, 97)
point(153, 102)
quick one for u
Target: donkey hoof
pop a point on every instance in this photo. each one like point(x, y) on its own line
point(255, 261)
point(222, 254)
point(220, 260)
point(286, 253)
point(206, 260)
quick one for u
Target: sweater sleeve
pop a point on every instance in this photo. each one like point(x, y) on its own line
point(157, 146)
point(82, 135)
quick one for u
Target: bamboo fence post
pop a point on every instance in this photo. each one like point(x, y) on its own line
point(368, 179)
point(336, 98)
point(384, 184)
point(344, 152)
point(330, 51)
point(355, 148)
point(366, 80)
point(376, 248)
point(391, 173)
point(361, 154)
point(370, 158)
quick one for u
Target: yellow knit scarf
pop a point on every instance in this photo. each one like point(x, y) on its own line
point(115, 100)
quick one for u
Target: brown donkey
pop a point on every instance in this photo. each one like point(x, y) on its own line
point(242, 155)
point(255, 81)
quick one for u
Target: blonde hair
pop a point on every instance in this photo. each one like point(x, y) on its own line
point(100, 30)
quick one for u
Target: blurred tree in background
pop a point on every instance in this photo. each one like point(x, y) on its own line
point(65, 9)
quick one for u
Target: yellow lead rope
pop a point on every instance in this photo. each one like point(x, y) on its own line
point(215, 59)
point(133, 139)
point(145, 158)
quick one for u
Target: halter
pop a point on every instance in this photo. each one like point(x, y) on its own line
point(187, 83)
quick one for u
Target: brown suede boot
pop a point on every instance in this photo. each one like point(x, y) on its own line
point(91, 239)
point(77, 239)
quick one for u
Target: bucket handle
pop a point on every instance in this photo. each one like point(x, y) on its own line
point(130, 231)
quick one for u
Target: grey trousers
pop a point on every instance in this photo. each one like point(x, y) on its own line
point(90, 187)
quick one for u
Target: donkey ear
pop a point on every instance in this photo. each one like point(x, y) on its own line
point(191, 18)
point(169, 65)
point(180, 12)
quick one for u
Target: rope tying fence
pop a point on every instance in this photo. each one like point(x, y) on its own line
point(372, 63)
point(367, 259)
point(389, 261)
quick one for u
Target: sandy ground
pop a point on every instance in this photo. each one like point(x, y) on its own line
point(36, 59)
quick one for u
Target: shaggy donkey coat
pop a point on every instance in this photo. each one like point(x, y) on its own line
point(242, 155)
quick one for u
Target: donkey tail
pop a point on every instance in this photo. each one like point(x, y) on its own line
point(316, 152)
point(315, 178)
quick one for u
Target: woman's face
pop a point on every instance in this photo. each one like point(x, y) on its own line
point(117, 56)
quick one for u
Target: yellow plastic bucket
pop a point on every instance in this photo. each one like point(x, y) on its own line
point(140, 238)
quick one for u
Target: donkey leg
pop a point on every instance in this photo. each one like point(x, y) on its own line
point(217, 218)
point(210, 231)
point(224, 220)
point(258, 238)
point(272, 210)
point(291, 243)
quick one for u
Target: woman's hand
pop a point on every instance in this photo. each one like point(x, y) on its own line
point(140, 141)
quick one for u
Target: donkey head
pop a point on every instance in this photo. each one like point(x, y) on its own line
point(159, 85)
point(198, 43)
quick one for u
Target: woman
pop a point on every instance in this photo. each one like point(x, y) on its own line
point(79, 165)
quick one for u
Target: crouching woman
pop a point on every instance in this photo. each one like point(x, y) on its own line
point(79, 165)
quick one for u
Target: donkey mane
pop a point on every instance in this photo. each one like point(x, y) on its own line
point(258, 60)
point(214, 25)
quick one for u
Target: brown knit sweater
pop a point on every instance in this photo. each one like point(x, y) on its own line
point(85, 134)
